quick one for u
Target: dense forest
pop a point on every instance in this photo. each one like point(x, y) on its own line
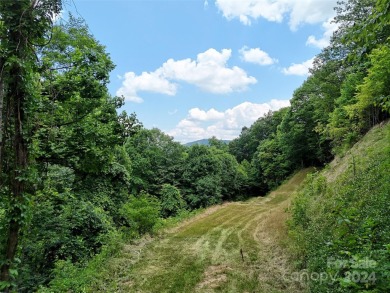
point(76, 173)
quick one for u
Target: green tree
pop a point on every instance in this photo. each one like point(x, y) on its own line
point(74, 139)
point(130, 124)
point(373, 98)
point(246, 150)
point(61, 227)
point(201, 177)
point(232, 176)
point(272, 162)
point(244, 147)
point(302, 132)
point(24, 27)
point(364, 28)
point(217, 143)
point(76, 119)
point(296, 135)
point(156, 160)
point(171, 201)
point(76, 124)
point(343, 126)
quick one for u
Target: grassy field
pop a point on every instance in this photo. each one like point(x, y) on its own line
point(234, 247)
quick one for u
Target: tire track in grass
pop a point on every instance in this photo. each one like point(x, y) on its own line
point(204, 254)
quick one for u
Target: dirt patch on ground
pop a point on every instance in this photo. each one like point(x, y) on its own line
point(214, 277)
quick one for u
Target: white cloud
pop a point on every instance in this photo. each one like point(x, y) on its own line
point(246, 10)
point(201, 124)
point(278, 104)
point(298, 11)
point(151, 82)
point(209, 72)
point(329, 27)
point(310, 11)
point(257, 56)
point(201, 115)
point(301, 69)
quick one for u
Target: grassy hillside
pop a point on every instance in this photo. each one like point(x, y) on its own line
point(234, 247)
point(341, 220)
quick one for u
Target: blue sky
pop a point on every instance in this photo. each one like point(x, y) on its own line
point(197, 68)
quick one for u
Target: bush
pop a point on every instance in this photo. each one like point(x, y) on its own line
point(71, 231)
point(69, 277)
point(140, 214)
point(171, 201)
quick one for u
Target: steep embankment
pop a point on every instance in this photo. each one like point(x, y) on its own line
point(234, 247)
point(341, 221)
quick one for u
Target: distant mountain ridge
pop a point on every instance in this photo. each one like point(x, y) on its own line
point(204, 142)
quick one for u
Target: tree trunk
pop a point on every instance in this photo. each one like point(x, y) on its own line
point(17, 183)
point(19, 32)
point(1, 115)
point(12, 243)
point(16, 152)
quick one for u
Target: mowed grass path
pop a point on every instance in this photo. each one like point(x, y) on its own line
point(234, 247)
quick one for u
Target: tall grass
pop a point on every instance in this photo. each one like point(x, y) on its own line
point(340, 225)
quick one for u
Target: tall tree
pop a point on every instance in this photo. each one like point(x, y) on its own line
point(76, 119)
point(82, 168)
point(244, 147)
point(156, 160)
point(24, 27)
point(201, 178)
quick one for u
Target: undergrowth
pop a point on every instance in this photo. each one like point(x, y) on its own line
point(70, 277)
point(340, 228)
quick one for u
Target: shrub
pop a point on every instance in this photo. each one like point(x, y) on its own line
point(72, 231)
point(140, 214)
point(171, 201)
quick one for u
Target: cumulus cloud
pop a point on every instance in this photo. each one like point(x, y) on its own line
point(329, 27)
point(301, 69)
point(257, 56)
point(310, 11)
point(209, 72)
point(201, 115)
point(298, 12)
point(151, 82)
point(247, 10)
point(200, 124)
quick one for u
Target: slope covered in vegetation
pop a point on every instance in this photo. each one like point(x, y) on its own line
point(340, 220)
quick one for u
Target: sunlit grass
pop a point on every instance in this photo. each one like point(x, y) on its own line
point(232, 248)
